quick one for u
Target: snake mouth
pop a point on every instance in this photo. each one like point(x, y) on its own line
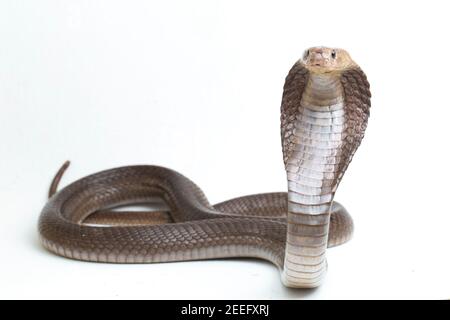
point(318, 62)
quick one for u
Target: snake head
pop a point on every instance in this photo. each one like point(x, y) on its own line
point(326, 60)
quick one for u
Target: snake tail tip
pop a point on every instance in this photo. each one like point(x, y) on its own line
point(57, 178)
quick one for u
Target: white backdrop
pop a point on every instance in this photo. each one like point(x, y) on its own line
point(196, 86)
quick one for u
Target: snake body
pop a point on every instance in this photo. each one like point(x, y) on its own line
point(324, 112)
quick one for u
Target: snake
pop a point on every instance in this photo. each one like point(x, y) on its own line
point(324, 113)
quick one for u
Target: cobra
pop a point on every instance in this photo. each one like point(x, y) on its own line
point(324, 114)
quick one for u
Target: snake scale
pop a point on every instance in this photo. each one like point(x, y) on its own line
point(324, 113)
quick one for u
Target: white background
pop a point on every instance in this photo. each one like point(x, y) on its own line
point(196, 86)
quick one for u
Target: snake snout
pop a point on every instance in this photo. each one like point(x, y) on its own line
point(317, 58)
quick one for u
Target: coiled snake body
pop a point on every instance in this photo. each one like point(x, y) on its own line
point(324, 113)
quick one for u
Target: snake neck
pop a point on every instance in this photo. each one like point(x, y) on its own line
point(311, 171)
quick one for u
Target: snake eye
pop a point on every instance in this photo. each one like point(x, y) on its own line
point(333, 54)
